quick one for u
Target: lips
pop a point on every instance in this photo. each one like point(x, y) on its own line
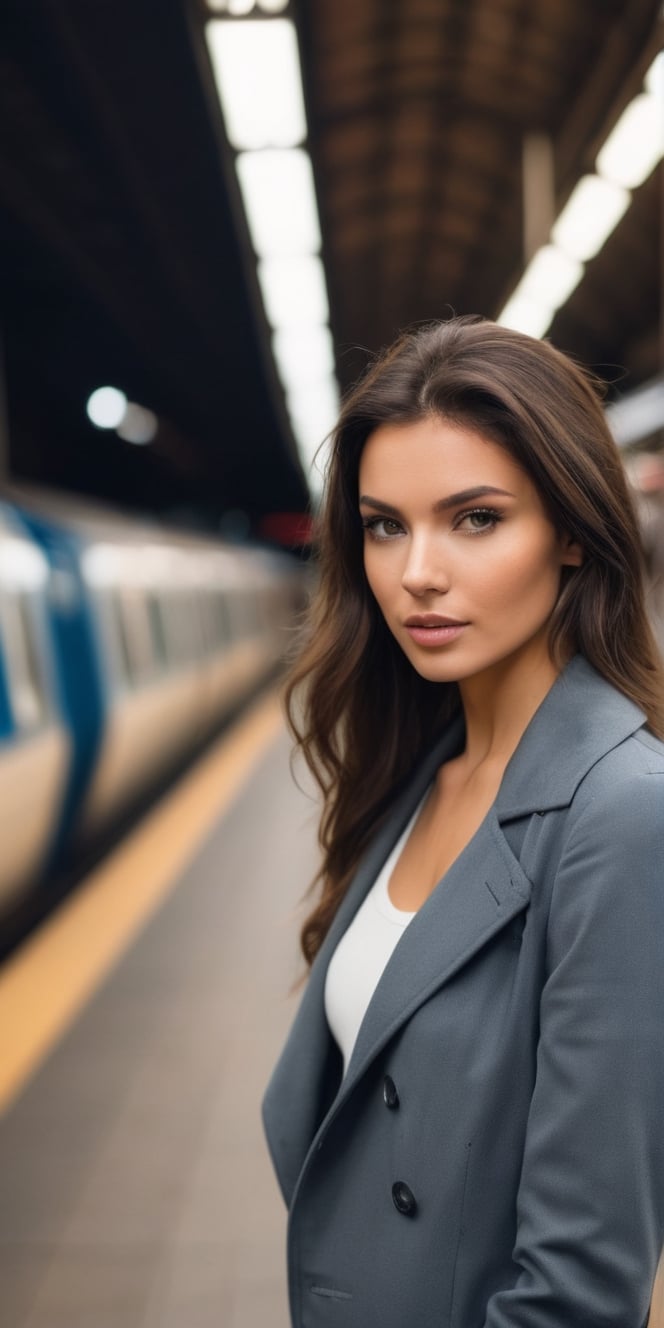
point(433, 630)
point(432, 620)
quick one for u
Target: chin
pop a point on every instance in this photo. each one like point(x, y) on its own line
point(436, 670)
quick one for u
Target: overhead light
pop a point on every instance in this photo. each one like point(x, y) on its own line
point(303, 354)
point(293, 290)
point(654, 79)
point(279, 197)
point(257, 71)
point(550, 277)
point(237, 8)
point(634, 147)
point(106, 407)
point(313, 411)
point(593, 211)
point(547, 282)
point(138, 425)
point(525, 315)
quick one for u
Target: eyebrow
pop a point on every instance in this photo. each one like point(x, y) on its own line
point(443, 504)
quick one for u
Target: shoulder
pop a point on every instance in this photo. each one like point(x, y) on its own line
point(612, 850)
point(607, 882)
point(624, 786)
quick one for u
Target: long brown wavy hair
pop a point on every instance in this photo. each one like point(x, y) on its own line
point(360, 713)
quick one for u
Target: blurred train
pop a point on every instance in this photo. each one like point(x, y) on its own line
point(122, 646)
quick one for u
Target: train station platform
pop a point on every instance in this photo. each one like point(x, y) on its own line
point(138, 1029)
point(137, 1032)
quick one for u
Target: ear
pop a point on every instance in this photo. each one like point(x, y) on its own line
point(571, 552)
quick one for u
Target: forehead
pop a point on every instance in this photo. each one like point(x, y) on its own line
point(435, 454)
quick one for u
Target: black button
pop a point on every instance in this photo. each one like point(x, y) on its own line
point(404, 1199)
point(390, 1095)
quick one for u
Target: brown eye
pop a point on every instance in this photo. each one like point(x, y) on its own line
point(382, 527)
point(479, 521)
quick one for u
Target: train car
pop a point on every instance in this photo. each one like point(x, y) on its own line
point(122, 646)
point(35, 742)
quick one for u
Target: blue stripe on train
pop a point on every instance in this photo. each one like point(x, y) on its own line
point(6, 717)
point(78, 666)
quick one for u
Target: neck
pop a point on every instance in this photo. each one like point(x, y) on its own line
point(500, 703)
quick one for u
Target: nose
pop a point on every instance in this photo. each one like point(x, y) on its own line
point(424, 572)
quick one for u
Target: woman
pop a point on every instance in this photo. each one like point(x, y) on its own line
point(466, 1121)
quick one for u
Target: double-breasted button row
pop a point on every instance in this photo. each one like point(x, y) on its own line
point(402, 1196)
point(404, 1199)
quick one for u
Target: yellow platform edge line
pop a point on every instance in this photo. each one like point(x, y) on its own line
point(46, 983)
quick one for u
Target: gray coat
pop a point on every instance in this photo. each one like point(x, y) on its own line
point(494, 1156)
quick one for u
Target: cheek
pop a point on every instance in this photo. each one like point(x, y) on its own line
point(378, 574)
point(521, 574)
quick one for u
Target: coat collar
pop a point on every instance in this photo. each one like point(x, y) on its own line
point(483, 889)
point(580, 719)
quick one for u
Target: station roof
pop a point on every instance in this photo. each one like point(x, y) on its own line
point(125, 256)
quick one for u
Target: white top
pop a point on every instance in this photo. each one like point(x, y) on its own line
point(362, 954)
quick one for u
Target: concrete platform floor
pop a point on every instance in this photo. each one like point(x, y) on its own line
point(136, 1189)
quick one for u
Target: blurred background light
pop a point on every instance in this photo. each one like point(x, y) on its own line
point(550, 277)
point(547, 282)
point(634, 147)
point(137, 425)
point(293, 290)
point(22, 567)
point(593, 211)
point(238, 8)
point(257, 71)
point(303, 355)
point(313, 409)
point(654, 79)
point(279, 197)
point(637, 415)
point(106, 407)
point(524, 314)
point(256, 67)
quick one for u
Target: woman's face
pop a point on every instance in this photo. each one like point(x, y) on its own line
point(458, 550)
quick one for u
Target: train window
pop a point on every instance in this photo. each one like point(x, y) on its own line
point(158, 629)
point(194, 608)
point(239, 608)
point(27, 687)
point(125, 658)
point(175, 619)
point(222, 621)
point(213, 625)
point(252, 615)
point(180, 620)
point(205, 625)
point(138, 638)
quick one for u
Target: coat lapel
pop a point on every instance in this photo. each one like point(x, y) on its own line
point(291, 1117)
point(581, 719)
point(484, 888)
